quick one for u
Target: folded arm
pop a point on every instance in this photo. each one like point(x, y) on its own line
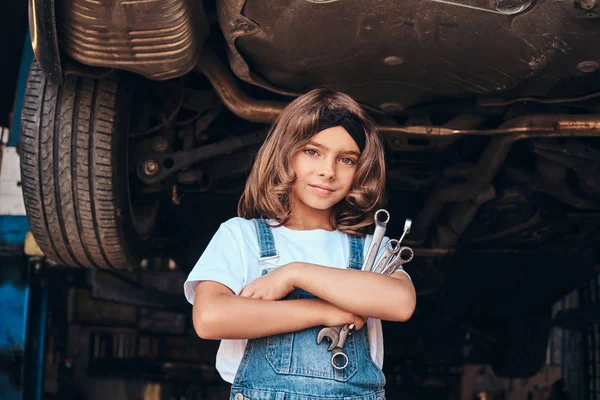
point(219, 314)
point(359, 292)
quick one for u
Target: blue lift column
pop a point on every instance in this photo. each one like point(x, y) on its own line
point(23, 294)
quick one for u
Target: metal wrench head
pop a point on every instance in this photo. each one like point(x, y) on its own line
point(382, 217)
point(392, 246)
point(405, 255)
point(339, 359)
point(391, 249)
point(406, 230)
point(344, 333)
point(332, 334)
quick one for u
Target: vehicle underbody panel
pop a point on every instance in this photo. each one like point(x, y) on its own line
point(395, 55)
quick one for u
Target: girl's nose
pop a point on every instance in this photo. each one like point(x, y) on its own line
point(327, 169)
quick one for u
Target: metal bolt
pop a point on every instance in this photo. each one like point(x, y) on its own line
point(150, 167)
point(587, 4)
point(160, 144)
point(588, 66)
point(511, 6)
point(393, 60)
point(392, 107)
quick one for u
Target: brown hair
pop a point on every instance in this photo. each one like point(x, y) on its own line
point(269, 185)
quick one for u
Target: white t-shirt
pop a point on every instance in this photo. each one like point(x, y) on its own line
point(231, 258)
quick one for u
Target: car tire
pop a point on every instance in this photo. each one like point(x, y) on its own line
point(74, 171)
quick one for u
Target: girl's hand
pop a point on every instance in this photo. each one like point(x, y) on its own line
point(273, 286)
point(335, 316)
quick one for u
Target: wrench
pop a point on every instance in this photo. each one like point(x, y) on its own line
point(405, 255)
point(381, 219)
point(337, 336)
point(408, 253)
point(407, 225)
point(391, 250)
point(332, 333)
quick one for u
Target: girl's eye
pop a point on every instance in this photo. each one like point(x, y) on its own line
point(311, 152)
point(348, 160)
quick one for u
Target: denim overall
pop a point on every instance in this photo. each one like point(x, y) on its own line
point(291, 366)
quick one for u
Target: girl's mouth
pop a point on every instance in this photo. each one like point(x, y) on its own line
point(324, 191)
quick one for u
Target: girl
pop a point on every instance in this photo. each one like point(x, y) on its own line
point(290, 264)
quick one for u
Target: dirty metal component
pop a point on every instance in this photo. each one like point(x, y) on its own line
point(583, 67)
point(510, 7)
point(150, 167)
point(408, 142)
point(588, 66)
point(556, 186)
point(232, 96)
point(459, 218)
point(290, 47)
point(160, 144)
point(492, 159)
point(175, 162)
point(267, 111)
point(505, 7)
point(535, 219)
point(190, 177)
point(44, 39)
point(582, 158)
point(522, 127)
point(160, 39)
point(553, 181)
point(235, 26)
point(572, 154)
point(227, 167)
point(587, 4)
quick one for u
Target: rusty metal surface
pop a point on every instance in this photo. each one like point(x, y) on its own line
point(391, 56)
point(265, 111)
point(232, 96)
point(160, 39)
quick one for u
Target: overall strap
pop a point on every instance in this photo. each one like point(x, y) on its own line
point(356, 251)
point(266, 243)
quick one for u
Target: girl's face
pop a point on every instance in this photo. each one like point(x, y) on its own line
point(324, 171)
